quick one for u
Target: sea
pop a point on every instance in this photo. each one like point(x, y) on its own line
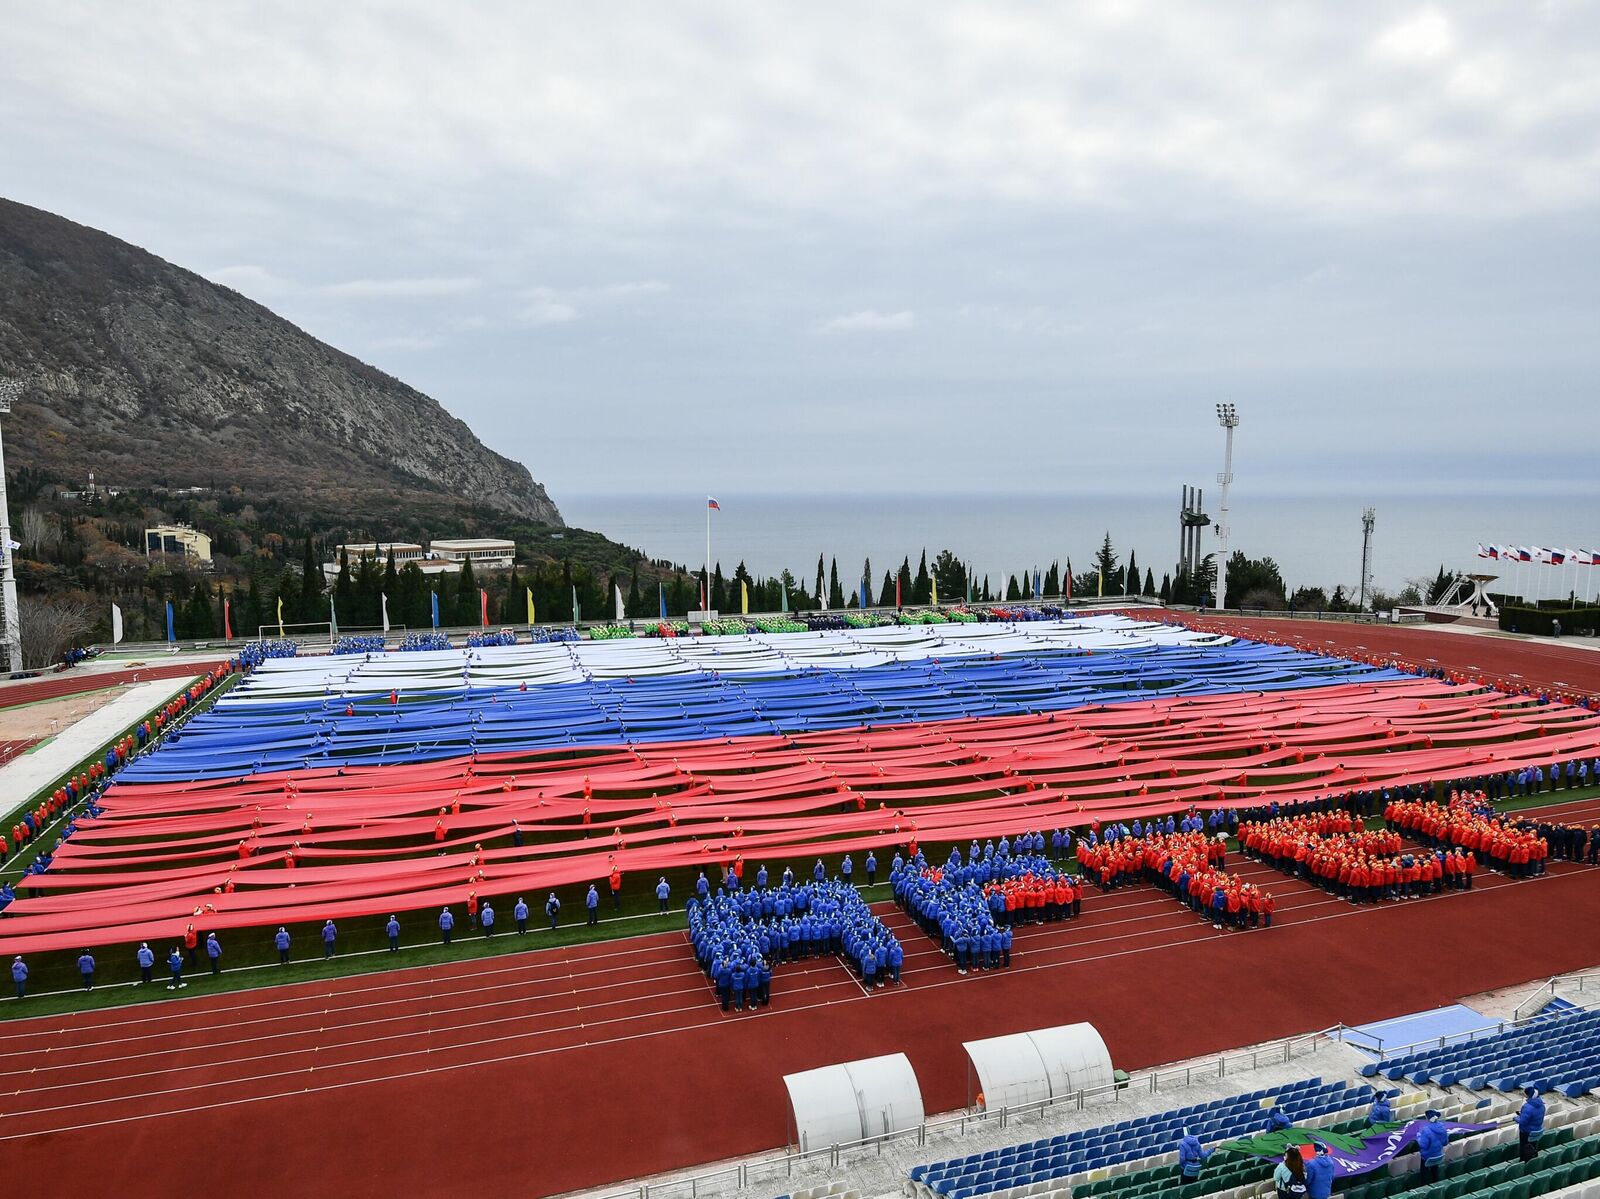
point(1315, 540)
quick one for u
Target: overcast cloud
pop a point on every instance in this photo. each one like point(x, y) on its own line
point(788, 247)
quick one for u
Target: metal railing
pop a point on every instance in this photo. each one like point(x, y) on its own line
point(784, 1165)
point(1550, 989)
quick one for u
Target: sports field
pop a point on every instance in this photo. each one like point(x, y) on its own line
point(540, 1072)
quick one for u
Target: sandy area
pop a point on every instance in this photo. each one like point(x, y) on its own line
point(52, 716)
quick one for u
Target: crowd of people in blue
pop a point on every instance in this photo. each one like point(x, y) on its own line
point(739, 934)
point(970, 905)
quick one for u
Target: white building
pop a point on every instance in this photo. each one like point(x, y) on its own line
point(485, 553)
point(177, 539)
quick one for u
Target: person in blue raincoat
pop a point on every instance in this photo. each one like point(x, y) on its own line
point(1431, 1141)
point(447, 924)
point(1530, 1124)
point(1191, 1156)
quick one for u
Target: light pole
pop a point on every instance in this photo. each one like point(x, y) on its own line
point(1228, 416)
point(10, 392)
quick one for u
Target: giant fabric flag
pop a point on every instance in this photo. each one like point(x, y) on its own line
point(1359, 1151)
point(644, 752)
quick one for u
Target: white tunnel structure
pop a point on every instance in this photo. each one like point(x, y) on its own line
point(1029, 1067)
point(850, 1101)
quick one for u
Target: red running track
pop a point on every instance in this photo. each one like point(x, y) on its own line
point(547, 1071)
point(82, 682)
point(1539, 664)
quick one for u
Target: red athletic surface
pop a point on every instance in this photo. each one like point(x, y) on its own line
point(543, 1072)
point(1515, 663)
point(79, 682)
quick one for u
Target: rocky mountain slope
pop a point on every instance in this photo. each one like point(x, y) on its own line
point(148, 374)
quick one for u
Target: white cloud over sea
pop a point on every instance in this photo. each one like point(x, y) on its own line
point(1037, 242)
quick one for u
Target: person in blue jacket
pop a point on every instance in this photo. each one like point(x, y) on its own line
point(520, 915)
point(1530, 1124)
point(175, 969)
point(1431, 1141)
point(214, 953)
point(281, 940)
point(736, 984)
point(146, 959)
point(846, 869)
point(1319, 1174)
point(1277, 1121)
point(552, 909)
point(1191, 1156)
point(819, 872)
point(447, 924)
point(591, 901)
point(1382, 1111)
point(330, 934)
point(19, 975)
point(392, 929)
point(897, 958)
point(663, 893)
point(86, 969)
point(872, 868)
point(486, 918)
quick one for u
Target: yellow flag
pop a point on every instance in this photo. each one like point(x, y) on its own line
point(744, 598)
point(531, 620)
point(280, 616)
point(935, 583)
point(1100, 583)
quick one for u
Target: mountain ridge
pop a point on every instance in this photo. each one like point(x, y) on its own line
point(146, 372)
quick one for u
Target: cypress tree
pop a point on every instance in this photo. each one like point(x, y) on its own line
point(886, 593)
point(905, 582)
point(819, 593)
point(1149, 582)
point(465, 609)
point(311, 583)
point(719, 591)
point(1052, 580)
point(390, 586)
point(1166, 589)
point(200, 611)
point(921, 586)
point(1013, 592)
point(635, 600)
point(1131, 578)
point(344, 588)
point(835, 592)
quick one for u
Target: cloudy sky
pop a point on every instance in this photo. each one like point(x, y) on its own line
point(889, 246)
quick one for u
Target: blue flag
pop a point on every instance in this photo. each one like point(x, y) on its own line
point(863, 594)
point(1038, 584)
point(171, 634)
point(661, 596)
point(435, 595)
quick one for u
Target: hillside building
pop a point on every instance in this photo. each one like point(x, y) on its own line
point(485, 553)
point(178, 539)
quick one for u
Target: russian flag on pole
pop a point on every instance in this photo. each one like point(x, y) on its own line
point(1483, 551)
point(1524, 554)
point(1557, 557)
point(1493, 551)
point(712, 504)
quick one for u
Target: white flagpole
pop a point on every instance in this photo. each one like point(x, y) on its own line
point(708, 556)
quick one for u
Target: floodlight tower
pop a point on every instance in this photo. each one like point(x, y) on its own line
point(11, 635)
point(1368, 519)
point(1228, 417)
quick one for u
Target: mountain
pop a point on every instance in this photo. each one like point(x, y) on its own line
point(146, 373)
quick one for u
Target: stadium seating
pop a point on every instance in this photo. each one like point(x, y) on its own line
point(1037, 1167)
point(1495, 1172)
point(1560, 1052)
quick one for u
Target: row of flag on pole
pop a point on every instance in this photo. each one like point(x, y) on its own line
point(1546, 555)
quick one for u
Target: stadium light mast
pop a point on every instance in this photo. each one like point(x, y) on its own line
point(1228, 417)
point(10, 392)
point(1368, 519)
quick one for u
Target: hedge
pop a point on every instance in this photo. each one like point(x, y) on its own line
point(1540, 621)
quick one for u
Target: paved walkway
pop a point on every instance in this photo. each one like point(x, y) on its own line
point(23, 777)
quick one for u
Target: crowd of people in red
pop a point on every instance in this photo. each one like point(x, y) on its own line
point(1469, 822)
point(1336, 852)
point(1189, 866)
point(1032, 899)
